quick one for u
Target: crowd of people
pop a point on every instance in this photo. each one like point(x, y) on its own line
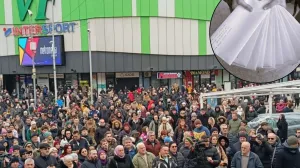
point(140, 128)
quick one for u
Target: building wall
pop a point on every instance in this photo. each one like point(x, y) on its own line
point(160, 27)
point(115, 62)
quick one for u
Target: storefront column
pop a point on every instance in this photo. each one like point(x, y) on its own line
point(1, 81)
point(101, 82)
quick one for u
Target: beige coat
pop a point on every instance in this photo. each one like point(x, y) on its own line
point(139, 162)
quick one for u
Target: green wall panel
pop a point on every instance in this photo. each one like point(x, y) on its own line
point(195, 9)
point(127, 7)
point(84, 35)
point(144, 7)
point(66, 10)
point(145, 35)
point(2, 12)
point(187, 12)
point(202, 37)
point(74, 10)
point(118, 8)
point(153, 7)
point(16, 45)
point(179, 8)
point(202, 10)
point(93, 12)
point(82, 9)
point(211, 5)
point(109, 8)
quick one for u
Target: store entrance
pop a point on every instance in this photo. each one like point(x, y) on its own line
point(9, 83)
point(128, 82)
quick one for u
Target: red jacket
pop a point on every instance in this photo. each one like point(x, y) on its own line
point(131, 97)
point(153, 149)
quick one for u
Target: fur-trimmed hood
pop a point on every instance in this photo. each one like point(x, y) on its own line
point(114, 122)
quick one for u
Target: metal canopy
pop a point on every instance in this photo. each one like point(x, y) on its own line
point(289, 87)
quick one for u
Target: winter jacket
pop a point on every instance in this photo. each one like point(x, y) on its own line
point(117, 162)
point(139, 162)
point(213, 153)
point(288, 157)
point(263, 151)
point(42, 162)
point(160, 162)
point(179, 159)
point(217, 113)
point(100, 131)
point(131, 152)
point(136, 125)
point(122, 134)
point(81, 143)
point(169, 128)
point(90, 164)
point(185, 151)
point(254, 161)
point(199, 132)
point(154, 127)
point(222, 154)
point(251, 115)
point(276, 148)
point(282, 130)
point(204, 119)
point(178, 133)
point(153, 149)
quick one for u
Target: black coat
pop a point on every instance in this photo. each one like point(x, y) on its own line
point(42, 162)
point(117, 162)
point(264, 152)
point(100, 131)
point(282, 130)
point(288, 157)
point(90, 164)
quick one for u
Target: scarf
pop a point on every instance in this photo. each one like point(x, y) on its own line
point(103, 162)
point(117, 153)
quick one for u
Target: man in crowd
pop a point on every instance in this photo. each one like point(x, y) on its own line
point(92, 160)
point(45, 159)
point(143, 159)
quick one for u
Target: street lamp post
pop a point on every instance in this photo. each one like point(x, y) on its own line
point(33, 48)
point(90, 58)
point(54, 54)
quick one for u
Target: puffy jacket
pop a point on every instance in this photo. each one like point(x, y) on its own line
point(42, 162)
point(81, 143)
point(90, 164)
point(251, 115)
point(276, 148)
point(179, 159)
point(254, 161)
point(288, 157)
point(213, 153)
point(159, 162)
point(153, 149)
point(264, 151)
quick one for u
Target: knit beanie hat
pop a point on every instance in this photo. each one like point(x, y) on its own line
point(189, 139)
point(214, 129)
point(292, 140)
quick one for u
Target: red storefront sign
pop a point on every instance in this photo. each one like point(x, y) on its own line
point(169, 75)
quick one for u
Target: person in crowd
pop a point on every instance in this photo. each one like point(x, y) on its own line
point(103, 159)
point(92, 160)
point(275, 143)
point(143, 159)
point(164, 160)
point(82, 154)
point(129, 147)
point(282, 126)
point(246, 158)
point(78, 142)
point(289, 156)
point(152, 144)
point(120, 159)
point(222, 153)
point(68, 162)
point(234, 124)
point(263, 149)
point(29, 163)
point(178, 157)
point(200, 130)
point(186, 148)
point(45, 159)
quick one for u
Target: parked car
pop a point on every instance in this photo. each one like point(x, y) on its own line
point(293, 120)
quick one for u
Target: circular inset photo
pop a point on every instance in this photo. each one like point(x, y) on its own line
point(256, 40)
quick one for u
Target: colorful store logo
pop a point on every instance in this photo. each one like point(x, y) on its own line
point(23, 8)
point(44, 29)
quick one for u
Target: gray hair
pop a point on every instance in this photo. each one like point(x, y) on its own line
point(74, 155)
point(139, 145)
point(29, 160)
point(67, 157)
point(127, 138)
point(150, 133)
